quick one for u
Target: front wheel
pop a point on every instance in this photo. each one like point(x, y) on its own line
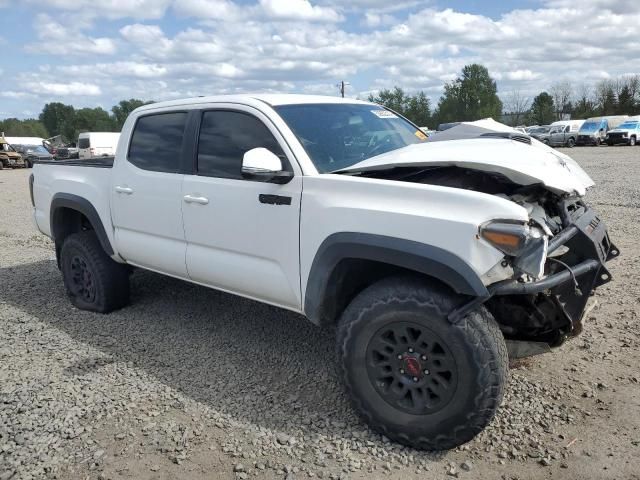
point(632, 141)
point(414, 376)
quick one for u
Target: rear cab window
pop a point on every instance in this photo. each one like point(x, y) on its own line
point(156, 142)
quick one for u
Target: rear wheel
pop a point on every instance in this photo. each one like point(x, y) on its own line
point(414, 376)
point(93, 280)
point(632, 141)
point(571, 143)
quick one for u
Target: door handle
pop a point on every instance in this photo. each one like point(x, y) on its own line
point(198, 200)
point(125, 190)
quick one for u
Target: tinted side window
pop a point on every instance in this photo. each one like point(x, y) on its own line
point(156, 143)
point(224, 139)
point(83, 143)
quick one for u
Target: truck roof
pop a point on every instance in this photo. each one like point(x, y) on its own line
point(268, 98)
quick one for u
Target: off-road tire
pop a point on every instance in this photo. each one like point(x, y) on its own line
point(475, 342)
point(108, 286)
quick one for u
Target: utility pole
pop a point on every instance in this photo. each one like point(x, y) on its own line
point(341, 86)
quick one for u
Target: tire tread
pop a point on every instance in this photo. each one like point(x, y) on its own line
point(479, 327)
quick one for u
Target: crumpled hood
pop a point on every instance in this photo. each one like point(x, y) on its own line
point(520, 162)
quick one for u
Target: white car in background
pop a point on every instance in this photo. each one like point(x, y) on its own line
point(97, 144)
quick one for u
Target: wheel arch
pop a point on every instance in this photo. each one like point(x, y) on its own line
point(71, 213)
point(348, 262)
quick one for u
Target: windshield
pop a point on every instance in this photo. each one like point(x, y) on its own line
point(337, 136)
point(539, 130)
point(589, 127)
point(629, 125)
point(36, 149)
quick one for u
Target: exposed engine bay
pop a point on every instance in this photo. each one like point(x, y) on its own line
point(543, 287)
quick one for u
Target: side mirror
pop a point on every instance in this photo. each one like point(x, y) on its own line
point(262, 165)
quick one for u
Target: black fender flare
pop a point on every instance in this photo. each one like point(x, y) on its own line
point(84, 206)
point(415, 256)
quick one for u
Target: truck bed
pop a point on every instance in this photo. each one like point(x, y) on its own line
point(97, 162)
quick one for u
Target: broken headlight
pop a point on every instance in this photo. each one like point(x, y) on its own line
point(527, 244)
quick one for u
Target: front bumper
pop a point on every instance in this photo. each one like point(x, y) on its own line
point(587, 140)
point(570, 278)
point(573, 276)
point(617, 140)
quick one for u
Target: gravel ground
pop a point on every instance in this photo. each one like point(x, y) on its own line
point(192, 383)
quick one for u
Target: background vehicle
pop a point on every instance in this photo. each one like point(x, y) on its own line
point(32, 153)
point(97, 144)
point(430, 257)
point(594, 130)
point(541, 133)
point(9, 158)
point(564, 133)
point(25, 140)
point(627, 133)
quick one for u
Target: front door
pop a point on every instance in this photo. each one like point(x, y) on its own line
point(146, 195)
point(238, 239)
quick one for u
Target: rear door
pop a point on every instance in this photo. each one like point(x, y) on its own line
point(237, 239)
point(84, 147)
point(146, 197)
point(556, 136)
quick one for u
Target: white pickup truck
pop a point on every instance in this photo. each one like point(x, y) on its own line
point(434, 260)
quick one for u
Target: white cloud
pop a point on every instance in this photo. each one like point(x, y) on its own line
point(141, 9)
point(63, 89)
point(209, 9)
point(56, 39)
point(229, 46)
point(299, 10)
point(522, 75)
point(372, 19)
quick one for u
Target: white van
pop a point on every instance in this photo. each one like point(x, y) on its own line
point(564, 133)
point(97, 144)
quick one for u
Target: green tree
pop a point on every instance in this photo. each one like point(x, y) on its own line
point(58, 119)
point(472, 96)
point(123, 109)
point(416, 108)
point(542, 110)
point(625, 101)
point(13, 127)
point(606, 97)
point(584, 106)
point(93, 120)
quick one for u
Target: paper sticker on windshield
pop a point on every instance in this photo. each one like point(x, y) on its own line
point(384, 114)
point(421, 135)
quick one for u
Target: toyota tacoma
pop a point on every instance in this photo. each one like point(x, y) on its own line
point(434, 261)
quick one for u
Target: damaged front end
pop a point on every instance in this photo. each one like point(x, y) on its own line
point(553, 276)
